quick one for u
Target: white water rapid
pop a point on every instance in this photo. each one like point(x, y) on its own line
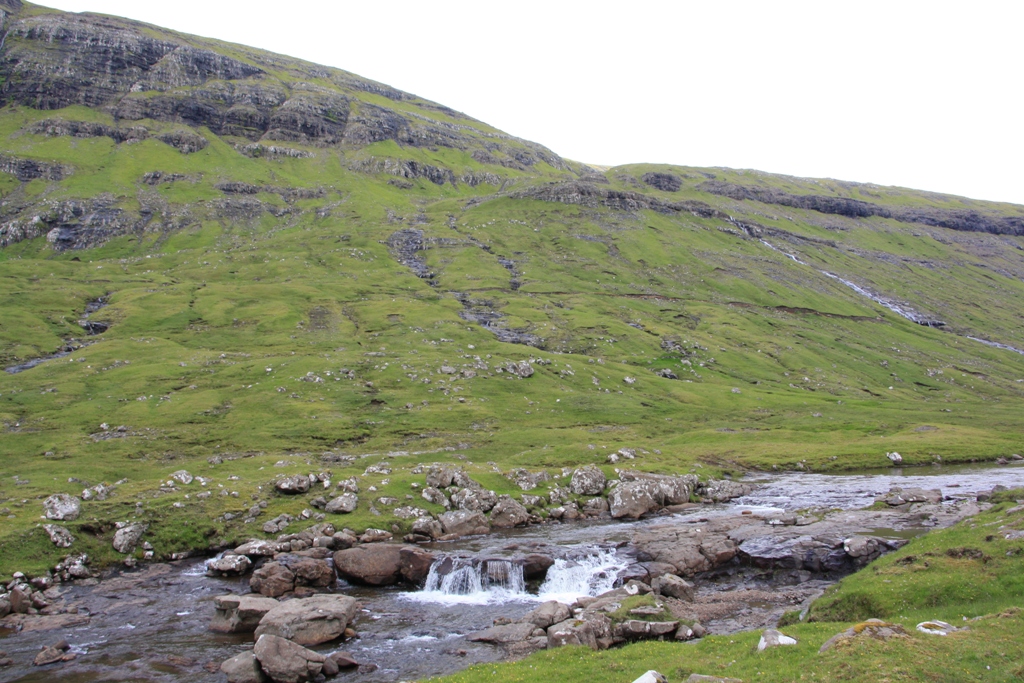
point(468, 581)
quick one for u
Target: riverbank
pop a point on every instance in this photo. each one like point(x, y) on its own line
point(401, 624)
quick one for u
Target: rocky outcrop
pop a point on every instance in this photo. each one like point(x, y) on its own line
point(666, 182)
point(310, 621)
point(30, 169)
point(953, 219)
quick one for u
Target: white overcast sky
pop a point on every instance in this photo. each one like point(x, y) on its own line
point(919, 94)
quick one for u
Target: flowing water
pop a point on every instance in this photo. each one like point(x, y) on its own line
point(150, 624)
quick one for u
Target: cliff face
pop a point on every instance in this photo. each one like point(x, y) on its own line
point(53, 60)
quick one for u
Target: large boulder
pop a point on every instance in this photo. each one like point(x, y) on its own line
point(414, 564)
point(243, 668)
point(310, 621)
point(62, 507)
point(308, 571)
point(578, 632)
point(633, 499)
point(128, 536)
point(239, 613)
point(286, 662)
point(377, 564)
point(293, 485)
point(272, 580)
point(464, 523)
point(343, 504)
point(509, 513)
point(670, 490)
point(588, 481)
point(536, 565)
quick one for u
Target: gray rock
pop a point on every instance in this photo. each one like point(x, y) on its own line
point(310, 621)
point(588, 481)
point(481, 500)
point(508, 633)
point(376, 564)
point(375, 536)
point(343, 504)
point(865, 547)
point(182, 477)
point(509, 513)
point(272, 580)
point(549, 613)
point(633, 499)
point(527, 480)
point(674, 587)
point(243, 668)
point(435, 496)
point(239, 614)
point(440, 477)
point(522, 369)
point(293, 485)
point(573, 632)
point(59, 535)
point(464, 523)
point(286, 662)
point(427, 526)
point(229, 565)
point(128, 536)
point(636, 629)
point(62, 507)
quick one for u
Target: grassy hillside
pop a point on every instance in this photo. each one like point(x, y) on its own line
point(329, 286)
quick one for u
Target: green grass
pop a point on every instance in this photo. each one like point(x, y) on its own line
point(930, 578)
point(780, 367)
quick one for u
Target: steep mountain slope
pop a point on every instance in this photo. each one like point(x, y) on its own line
point(302, 268)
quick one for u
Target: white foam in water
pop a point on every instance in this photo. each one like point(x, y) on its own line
point(469, 582)
point(591, 573)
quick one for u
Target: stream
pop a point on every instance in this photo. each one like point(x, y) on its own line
point(90, 327)
point(150, 624)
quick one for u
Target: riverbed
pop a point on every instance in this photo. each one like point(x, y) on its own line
point(151, 624)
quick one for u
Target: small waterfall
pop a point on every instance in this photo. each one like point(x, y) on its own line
point(462, 580)
point(590, 573)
